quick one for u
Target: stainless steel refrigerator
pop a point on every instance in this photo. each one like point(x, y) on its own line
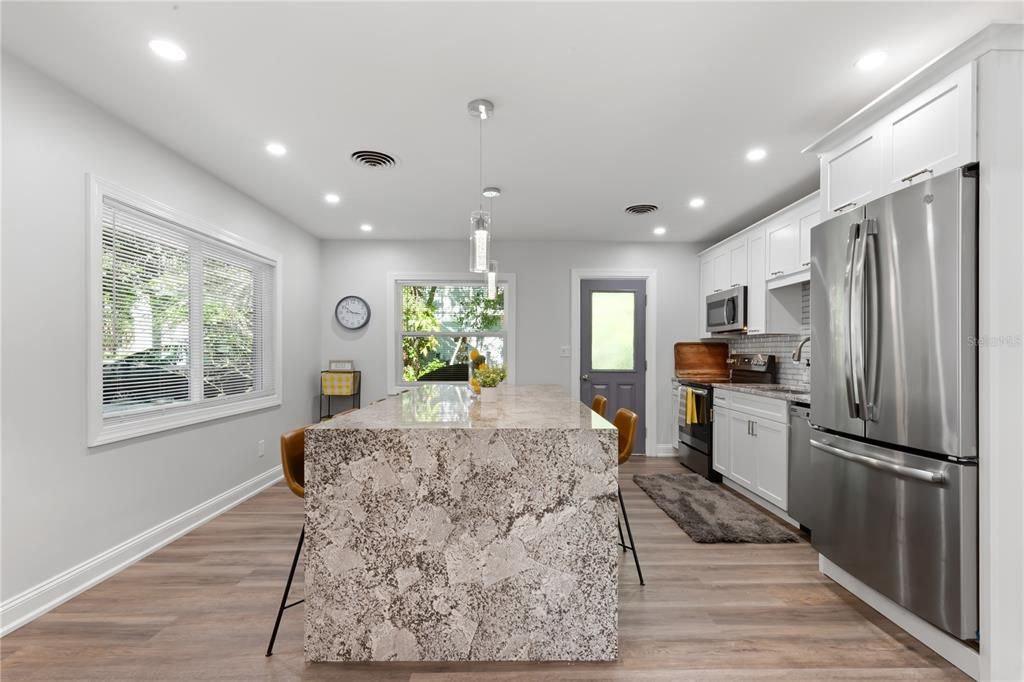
point(894, 444)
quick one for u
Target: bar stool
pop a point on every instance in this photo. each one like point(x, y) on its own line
point(625, 421)
point(293, 445)
point(599, 404)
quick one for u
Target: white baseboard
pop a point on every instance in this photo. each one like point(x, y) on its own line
point(664, 450)
point(760, 501)
point(49, 594)
point(950, 648)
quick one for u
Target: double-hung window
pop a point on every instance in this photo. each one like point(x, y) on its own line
point(183, 321)
point(439, 323)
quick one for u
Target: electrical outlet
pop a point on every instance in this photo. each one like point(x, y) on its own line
point(564, 351)
point(261, 448)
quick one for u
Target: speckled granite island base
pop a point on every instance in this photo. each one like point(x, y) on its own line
point(439, 528)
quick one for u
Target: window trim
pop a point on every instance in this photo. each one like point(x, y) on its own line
point(102, 431)
point(395, 279)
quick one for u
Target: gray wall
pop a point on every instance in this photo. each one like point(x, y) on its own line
point(64, 503)
point(543, 292)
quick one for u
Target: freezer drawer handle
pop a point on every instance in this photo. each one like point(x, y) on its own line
point(909, 472)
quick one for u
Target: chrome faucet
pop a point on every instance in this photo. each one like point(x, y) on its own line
point(799, 351)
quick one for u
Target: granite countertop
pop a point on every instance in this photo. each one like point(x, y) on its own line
point(795, 393)
point(451, 406)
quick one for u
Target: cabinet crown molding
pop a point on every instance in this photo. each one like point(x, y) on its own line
point(996, 36)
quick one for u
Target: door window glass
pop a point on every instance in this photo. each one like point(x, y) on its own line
point(611, 330)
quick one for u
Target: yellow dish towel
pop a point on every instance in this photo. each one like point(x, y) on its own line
point(691, 407)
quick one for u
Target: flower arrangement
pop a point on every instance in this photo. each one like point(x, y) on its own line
point(489, 377)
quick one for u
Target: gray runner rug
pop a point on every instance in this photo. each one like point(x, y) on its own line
point(708, 513)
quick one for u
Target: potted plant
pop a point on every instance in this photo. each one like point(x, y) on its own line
point(489, 378)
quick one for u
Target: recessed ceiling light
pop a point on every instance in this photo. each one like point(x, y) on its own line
point(332, 198)
point(756, 154)
point(871, 60)
point(659, 230)
point(366, 227)
point(696, 202)
point(491, 192)
point(276, 149)
point(165, 49)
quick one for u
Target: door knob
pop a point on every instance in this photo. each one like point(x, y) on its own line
point(585, 377)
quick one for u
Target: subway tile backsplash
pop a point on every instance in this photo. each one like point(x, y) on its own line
point(783, 345)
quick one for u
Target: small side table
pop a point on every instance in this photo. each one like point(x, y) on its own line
point(339, 383)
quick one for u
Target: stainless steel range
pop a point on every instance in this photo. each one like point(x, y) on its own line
point(695, 444)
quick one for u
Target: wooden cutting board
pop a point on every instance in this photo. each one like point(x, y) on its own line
point(694, 358)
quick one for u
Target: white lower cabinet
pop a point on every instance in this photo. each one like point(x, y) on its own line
point(771, 444)
point(721, 461)
point(751, 444)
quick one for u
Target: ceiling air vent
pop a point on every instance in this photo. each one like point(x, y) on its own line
point(372, 159)
point(641, 209)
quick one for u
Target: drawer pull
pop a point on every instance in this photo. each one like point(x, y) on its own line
point(845, 206)
point(909, 472)
point(914, 175)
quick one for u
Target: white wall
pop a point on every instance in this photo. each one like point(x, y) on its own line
point(543, 287)
point(64, 503)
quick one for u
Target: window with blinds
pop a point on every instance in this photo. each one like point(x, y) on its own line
point(186, 326)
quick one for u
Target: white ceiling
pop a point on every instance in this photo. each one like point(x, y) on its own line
point(598, 105)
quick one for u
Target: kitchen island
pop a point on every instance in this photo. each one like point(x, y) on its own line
point(442, 528)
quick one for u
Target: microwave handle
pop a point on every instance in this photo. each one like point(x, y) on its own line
point(730, 310)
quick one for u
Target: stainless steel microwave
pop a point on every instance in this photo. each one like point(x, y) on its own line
point(727, 311)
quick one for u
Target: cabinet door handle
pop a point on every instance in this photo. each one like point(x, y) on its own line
point(804, 265)
point(845, 206)
point(915, 174)
point(748, 427)
point(733, 286)
point(754, 429)
point(717, 290)
point(777, 272)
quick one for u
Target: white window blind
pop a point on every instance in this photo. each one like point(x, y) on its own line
point(187, 324)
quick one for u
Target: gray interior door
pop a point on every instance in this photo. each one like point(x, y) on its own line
point(613, 358)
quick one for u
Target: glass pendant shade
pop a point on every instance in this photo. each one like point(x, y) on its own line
point(492, 280)
point(479, 241)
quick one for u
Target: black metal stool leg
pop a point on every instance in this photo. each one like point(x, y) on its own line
point(632, 544)
point(287, 589)
point(622, 539)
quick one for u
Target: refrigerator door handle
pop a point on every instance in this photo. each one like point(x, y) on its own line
point(852, 397)
point(898, 469)
point(856, 325)
point(872, 330)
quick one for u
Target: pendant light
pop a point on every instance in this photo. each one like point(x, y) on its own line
point(480, 220)
point(492, 280)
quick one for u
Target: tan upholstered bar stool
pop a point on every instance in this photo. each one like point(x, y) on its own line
point(599, 405)
point(293, 446)
point(625, 421)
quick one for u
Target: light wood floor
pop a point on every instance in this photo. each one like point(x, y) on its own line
point(202, 609)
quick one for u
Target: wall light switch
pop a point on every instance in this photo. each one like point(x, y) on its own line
point(564, 351)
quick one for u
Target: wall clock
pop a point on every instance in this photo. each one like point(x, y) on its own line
point(352, 312)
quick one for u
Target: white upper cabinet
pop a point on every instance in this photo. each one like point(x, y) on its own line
point(931, 134)
point(850, 174)
point(756, 289)
point(738, 261)
point(783, 247)
point(808, 218)
point(723, 269)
